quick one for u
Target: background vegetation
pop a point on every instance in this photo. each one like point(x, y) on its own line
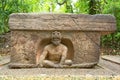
point(111, 42)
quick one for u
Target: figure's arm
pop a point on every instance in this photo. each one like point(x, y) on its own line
point(64, 55)
point(42, 57)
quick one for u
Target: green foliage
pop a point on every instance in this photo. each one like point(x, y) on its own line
point(94, 6)
point(81, 6)
point(112, 40)
point(6, 8)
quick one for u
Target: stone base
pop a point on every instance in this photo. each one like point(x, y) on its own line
point(57, 74)
point(18, 65)
point(82, 65)
point(105, 70)
point(96, 73)
point(88, 77)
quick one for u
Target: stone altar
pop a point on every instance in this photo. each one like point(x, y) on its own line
point(31, 32)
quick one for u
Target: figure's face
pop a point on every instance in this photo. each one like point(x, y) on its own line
point(56, 41)
point(56, 38)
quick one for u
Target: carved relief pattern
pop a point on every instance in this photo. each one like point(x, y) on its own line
point(25, 44)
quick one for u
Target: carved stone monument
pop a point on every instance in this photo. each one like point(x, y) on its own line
point(54, 54)
point(57, 40)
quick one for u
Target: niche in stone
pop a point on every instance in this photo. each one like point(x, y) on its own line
point(48, 41)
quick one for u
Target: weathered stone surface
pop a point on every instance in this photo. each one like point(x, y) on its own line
point(114, 59)
point(27, 46)
point(4, 60)
point(82, 22)
point(30, 33)
point(115, 67)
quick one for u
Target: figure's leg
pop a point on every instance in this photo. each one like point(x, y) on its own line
point(68, 62)
point(47, 63)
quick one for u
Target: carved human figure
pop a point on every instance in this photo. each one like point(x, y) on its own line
point(54, 54)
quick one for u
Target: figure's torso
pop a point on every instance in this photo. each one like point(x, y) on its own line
point(55, 52)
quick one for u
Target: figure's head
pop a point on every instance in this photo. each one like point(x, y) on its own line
point(56, 38)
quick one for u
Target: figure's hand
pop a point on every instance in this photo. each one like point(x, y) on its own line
point(57, 65)
point(60, 65)
point(40, 65)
